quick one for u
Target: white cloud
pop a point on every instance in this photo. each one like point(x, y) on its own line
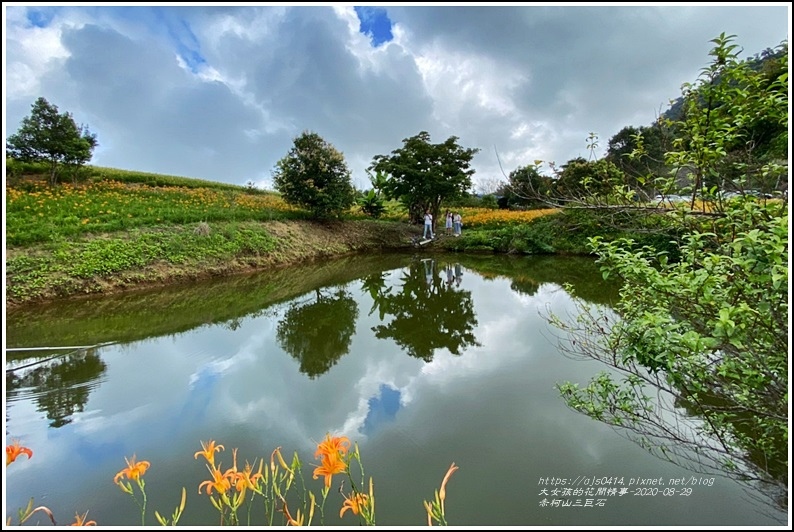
point(219, 93)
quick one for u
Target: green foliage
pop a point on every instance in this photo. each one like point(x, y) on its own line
point(29, 276)
point(715, 324)
point(580, 177)
point(639, 153)
point(371, 203)
point(104, 258)
point(465, 200)
point(570, 231)
point(314, 176)
point(52, 137)
point(727, 133)
point(519, 239)
point(527, 187)
point(488, 201)
point(733, 133)
point(703, 322)
point(18, 170)
point(100, 173)
point(423, 175)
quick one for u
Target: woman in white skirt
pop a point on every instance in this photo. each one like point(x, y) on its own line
point(457, 220)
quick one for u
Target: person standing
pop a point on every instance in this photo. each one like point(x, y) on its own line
point(458, 222)
point(448, 224)
point(428, 225)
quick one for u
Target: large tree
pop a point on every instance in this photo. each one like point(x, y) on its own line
point(639, 153)
point(52, 137)
point(315, 176)
point(423, 175)
point(527, 186)
point(588, 179)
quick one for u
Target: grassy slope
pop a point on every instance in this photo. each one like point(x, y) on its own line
point(164, 252)
point(119, 230)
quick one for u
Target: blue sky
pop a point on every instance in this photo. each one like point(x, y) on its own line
point(375, 23)
point(220, 91)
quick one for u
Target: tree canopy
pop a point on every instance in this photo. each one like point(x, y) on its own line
point(639, 152)
point(526, 186)
point(315, 176)
point(49, 136)
point(423, 175)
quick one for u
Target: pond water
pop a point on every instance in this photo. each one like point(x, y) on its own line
point(423, 360)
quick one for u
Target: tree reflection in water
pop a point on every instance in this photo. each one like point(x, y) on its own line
point(427, 313)
point(60, 386)
point(318, 333)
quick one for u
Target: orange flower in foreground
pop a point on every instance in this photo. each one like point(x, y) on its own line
point(80, 520)
point(14, 450)
point(220, 481)
point(246, 479)
point(354, 504)
point(208, 451)
point(330, 466)
point(332, 445)
point(133, 471)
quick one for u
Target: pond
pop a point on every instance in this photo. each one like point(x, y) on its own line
point(422, 360)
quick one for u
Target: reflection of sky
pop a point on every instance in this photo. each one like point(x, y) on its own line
point(493, 410)
point(382, 408)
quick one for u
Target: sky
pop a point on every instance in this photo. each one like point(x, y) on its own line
point(221, 91)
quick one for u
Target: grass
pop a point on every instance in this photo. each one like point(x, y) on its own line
point(115, 229)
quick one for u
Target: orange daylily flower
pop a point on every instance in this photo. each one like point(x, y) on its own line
point(245, 479)
point(331, 465)
point(80, 520)
point(332, 445)
point(14, 450)
point(220, 481)
point(208, 451)
point(354, 504)
point(133, 471)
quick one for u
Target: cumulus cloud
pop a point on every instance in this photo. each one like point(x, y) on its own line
point(220, 93)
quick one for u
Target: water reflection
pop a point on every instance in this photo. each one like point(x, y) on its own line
point(318, 332)
point(59, 385)
point(765, 467)
point(382, 408)
point(226, 360)
point(426, 313)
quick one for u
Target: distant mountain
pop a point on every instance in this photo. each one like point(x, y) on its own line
point(769, 60)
